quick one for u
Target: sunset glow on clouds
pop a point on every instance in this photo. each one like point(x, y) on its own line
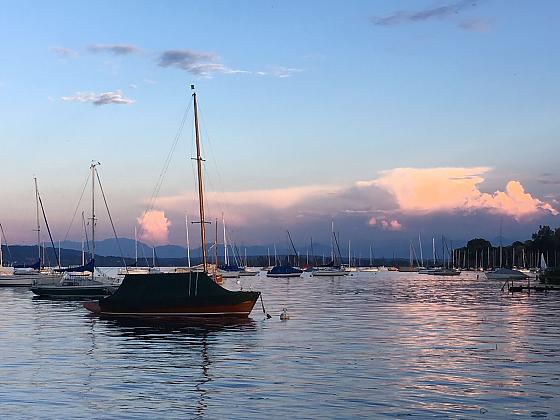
point(419, 190)
point(240, 206)
point(386, 203)
point(385, 224)
point(154, 227)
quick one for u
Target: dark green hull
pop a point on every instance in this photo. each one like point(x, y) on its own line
point(192, 294)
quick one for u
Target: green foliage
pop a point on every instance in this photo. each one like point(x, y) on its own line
point(478, 244)
point(546, 241)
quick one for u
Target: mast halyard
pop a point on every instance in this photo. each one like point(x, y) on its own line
point(200, 187)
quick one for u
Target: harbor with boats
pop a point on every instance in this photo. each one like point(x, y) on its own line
point(250, 326)
point(483, 338)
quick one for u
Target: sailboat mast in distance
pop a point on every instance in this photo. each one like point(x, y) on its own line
point(135, 246)
point(188, 242)
point(92, 167)
point(38, 224)
point(200, 189)
point(226, 261)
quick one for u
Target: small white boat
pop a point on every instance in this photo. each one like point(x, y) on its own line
point(244, 272)
point(369, 269)
point(447, 272)
point(329, 272)
point(28, 278)
point(7, 280)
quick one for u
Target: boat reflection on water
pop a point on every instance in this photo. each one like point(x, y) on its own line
point(186, 352)
point(146, 327)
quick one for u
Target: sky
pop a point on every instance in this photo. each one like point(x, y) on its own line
point(392, 118)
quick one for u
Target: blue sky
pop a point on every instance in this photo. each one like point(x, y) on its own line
point(301, 94)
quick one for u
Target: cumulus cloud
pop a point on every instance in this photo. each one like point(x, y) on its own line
point(98, 99)
point(427, 190)
point(154, 227)
point(266, 204)
point(63, 52)
point(439, 12)
point(115, 49)
point(203, 64)
point(385, 224)
point(390, 205)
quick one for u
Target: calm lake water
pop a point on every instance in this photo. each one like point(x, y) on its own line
point(378, 345)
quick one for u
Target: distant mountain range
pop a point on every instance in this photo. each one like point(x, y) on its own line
point(110, 247)
point(108, 253)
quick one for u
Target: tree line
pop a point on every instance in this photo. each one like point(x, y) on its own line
point(479, 253)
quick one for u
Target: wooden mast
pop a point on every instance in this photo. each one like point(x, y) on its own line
point(200, 188)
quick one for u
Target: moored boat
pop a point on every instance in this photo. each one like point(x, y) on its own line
point(332, 269)
point(505, 274)
point(446, 272)
point(180, 294)
point(245, 272)
point(193, 294)
point(284, 271)
point(330, 272)
point(74, 287)
point(81, 281)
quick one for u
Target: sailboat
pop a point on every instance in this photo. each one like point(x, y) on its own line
point(245, 271)
point(7, 277)
point(503, 273)
point(331, 269)
point(73, 285)
point(371, 268)
point(177, 295)
point(23, 275)
point(445, 270)
point(286, 269)
point(135, 269)
point(410, 268)
point(227, 270)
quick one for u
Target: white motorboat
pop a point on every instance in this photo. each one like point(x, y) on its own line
point(505, 274)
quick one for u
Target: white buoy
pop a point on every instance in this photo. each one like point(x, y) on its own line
point(284, 315)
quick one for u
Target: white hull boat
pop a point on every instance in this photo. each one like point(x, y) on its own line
point(329, 273)
point(505, 274)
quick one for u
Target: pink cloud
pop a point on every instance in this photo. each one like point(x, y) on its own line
point(154, 227)
point(385, 224)
point(391, 225)
point(426, 190)
point(240, 206)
